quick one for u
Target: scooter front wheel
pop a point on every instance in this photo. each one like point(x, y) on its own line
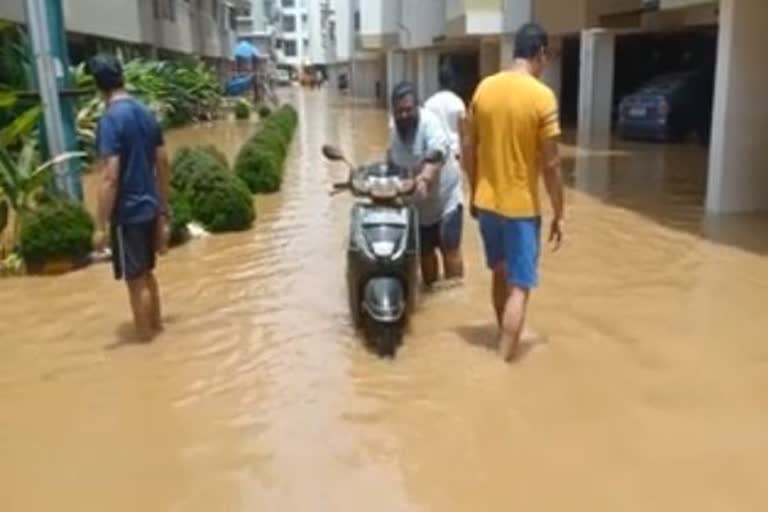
point(384, 337)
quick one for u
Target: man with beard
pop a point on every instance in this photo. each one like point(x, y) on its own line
point(416, 132)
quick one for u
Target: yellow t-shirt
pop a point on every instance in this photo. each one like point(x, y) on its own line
point(512, 113)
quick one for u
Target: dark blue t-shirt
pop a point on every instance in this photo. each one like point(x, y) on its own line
point(130, 131)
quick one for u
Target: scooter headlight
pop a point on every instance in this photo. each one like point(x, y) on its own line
point(384, 188)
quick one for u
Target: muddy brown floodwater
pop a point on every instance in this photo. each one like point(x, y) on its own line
point(646, 386)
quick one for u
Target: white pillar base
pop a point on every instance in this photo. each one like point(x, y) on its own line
point(596, 87)
point(738, 181)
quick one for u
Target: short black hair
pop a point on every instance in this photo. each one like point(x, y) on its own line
point(530, 40)
point(107, 72)
point(403, 90)
point(445, 76)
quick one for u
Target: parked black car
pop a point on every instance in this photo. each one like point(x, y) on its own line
point(668, 108)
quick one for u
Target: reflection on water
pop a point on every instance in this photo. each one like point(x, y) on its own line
point(646, 387)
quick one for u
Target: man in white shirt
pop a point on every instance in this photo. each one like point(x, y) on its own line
point(449, 108)
point(415, 133)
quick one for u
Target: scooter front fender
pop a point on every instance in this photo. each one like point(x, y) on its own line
point(384, 299)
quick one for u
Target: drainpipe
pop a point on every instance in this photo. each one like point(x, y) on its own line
point(45, 21)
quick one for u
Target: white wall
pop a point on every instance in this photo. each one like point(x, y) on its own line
point(516, 12)
point(12, 10)
point(113, 19)
point(367, 71)
point(422, 21)
point(380, 16)
point(738, 179)
point(344, 29)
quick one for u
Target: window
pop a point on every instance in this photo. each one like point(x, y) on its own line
point(232, 19)
point(215, 9)
point(289, 23)
point(290, 48)
point(164, 9)
point(357, 21)
point(304, 19)
point(289, 3)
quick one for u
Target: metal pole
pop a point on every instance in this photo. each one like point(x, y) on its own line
point(45, 21)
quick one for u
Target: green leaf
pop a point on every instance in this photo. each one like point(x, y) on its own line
point(58, 160)
point(21, 126)
point(7, 98)
point(3, 215)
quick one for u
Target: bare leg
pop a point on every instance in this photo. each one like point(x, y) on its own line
point(500, 293)
point(430, 268)
point(141, 305)
point(156, 315)
point(454, 264)
point(513, 322)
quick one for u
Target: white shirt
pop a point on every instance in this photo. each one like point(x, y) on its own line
point(430, 135)
point(450, 109)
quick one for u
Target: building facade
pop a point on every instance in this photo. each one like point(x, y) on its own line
point(162, 27)
point(409, 39)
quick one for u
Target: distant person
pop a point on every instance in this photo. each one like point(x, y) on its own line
point(512, 138)
point(449, 108)
point(452, 113)
point(416, 132)
point(133, 194)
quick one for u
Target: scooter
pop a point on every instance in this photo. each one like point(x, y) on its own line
point(383, 249)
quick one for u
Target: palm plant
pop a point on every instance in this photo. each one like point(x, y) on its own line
point(22, 177)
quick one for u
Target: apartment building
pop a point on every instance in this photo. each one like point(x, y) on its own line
point(408, 39)
point(256, 23)
point(163, 27)
point(596, 47)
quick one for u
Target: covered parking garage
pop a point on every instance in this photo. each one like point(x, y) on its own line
point(737, 180)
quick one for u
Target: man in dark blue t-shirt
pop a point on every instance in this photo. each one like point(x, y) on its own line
point(133, 195)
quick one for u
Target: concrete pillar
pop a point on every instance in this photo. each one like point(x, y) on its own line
point(490, 58)
point(395, 70)
point(427, 80)
point(738, 181)
point(507, 56)
point(596, 87)
point(553, 74)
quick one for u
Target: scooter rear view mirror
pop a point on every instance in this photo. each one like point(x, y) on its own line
point(333, 153)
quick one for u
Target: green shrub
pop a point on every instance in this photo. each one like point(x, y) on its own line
point(213, 151)
point(264, 111)
point(56, 230)
point(181, 216)
point(272, 140)
point(259, 168)
point(221, 202)
point(190, 162)
point(187, 153)
point(261, 159)
point(242, 110)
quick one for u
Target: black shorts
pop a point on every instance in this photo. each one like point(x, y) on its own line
point(445, 234)
point(133, 249)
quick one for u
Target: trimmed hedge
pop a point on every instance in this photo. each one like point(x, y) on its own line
point(205, 190)
point(242, 110)
point(56, 230)
point(181, 216)
point(261, 160)
point(221, 202)
point(264, 111)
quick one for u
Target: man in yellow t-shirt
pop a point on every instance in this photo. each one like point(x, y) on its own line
point(512, 133)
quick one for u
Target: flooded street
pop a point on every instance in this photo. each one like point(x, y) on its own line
point(645, 387)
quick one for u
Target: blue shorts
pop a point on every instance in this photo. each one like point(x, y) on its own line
point(514, 242)
point(445, 234)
